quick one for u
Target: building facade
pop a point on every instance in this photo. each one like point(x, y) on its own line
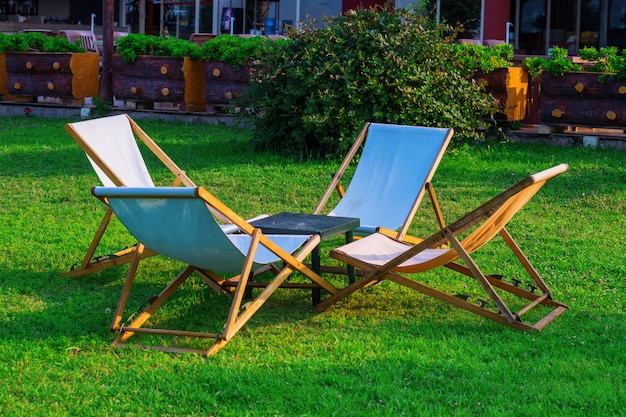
point(532, 26)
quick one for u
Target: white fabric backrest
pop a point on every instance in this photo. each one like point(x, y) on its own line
point(112, 140)
point(389, 180)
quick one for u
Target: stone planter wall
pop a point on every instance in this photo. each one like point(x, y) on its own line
point(153, 79)
point(4, 86)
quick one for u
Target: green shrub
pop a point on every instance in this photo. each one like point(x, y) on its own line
point(237, 50)
point(135, 44)
point(37, 42)
point(556, 64)
point(483, 58)
point(314, 94)
point(606, 60)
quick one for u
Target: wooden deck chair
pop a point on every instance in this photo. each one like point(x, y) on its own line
point(493, 42)
point(201, 38)
point(382, 257)
point(176, 222)
point(470, 42)
point(86, 37)
point(394, 171)
point(111, 147)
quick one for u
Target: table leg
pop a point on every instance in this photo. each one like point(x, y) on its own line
point(317, 268)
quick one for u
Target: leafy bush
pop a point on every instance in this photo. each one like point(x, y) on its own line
point(556, 64)
point(37, 42)
point(606, 60)
point(483, 58)
point(135, 44)
point(237, 50)
point(314, 94)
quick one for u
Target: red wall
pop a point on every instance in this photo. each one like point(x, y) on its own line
point(497, 13)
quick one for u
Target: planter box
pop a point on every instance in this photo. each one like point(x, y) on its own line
point(62, 75)
point(4, 86)
point(154, 79)
point(579, 99)
point(224, 82)
point(510, 87)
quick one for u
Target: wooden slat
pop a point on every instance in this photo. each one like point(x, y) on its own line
point(148, 330)
point(535, 303)
point(342, 168)
point(549, 318)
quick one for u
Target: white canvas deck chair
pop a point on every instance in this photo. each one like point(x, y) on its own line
point(112, 150)
point(395, 169)
point(383, 257)
point(176, 222)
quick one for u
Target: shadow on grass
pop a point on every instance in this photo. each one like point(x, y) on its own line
point(47, 306)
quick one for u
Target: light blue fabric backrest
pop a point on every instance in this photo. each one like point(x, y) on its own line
point(176, 223)
point(390, 177)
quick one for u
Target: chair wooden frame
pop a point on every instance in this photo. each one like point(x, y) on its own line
point(482, 224)
point(109, 176)
point(438, 136)
point(200, 38)
point(239, 313)
point(86, 37)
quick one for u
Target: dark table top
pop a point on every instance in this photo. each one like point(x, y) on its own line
point(306, 224)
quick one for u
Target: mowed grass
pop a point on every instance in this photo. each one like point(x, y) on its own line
point(385, 351)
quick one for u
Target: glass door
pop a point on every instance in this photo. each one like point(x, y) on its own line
point(178, 18)
point(616, 30)
point(564, 21)
point(589, 24)
point(532, 25)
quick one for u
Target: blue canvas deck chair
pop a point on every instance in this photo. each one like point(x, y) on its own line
point(111, 147)
point(382, 257)
point(394, 171)
point(176, 222)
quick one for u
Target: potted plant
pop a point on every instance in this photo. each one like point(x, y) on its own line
point(492, 68)
point(149, 69)
point(592, 93)
point(32, 65)
point(228, 62)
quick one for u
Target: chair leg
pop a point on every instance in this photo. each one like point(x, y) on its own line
point(241, 291)
point(357, 285)
point(238, 315)
point(128, 283)
point(137, 322)
point(480, 277)
point(530, 269)
point(90, 264)
point(98, 237)
point(238, 321)
point(435, 203)
point(456, 301)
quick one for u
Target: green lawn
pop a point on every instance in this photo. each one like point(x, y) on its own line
point(385, 351)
